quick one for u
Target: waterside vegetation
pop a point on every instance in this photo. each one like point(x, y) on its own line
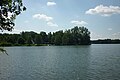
point(74, 36)
point(106, 41)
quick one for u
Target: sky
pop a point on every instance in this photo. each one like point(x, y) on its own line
point(101, 17)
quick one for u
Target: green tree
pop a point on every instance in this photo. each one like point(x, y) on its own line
point(80, 35)
point(12, 38)
point(74, 36)
point(29, 40)
point(75, 33)
point(21, 41)
point(66, 37)
point(85, 35)
point(53, 38)
point(38, 39)
point(58, 37)
point(49, 37)
point(44, 37)
point(9, 9)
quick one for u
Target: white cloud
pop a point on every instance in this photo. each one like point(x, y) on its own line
point(104, 10)
point(42, 17)
point(79, 22)
point(51, 3)
point(46, 18)
point(52, 24)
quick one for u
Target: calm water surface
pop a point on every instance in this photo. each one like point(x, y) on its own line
point(95, 62)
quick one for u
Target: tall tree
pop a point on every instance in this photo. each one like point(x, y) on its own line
point(75, 33)
point(44, 37)
point(21, 41)
point(85, 35)
point(38, 39)
point(66, 37)
point(9, 9)
point(58, 37)
point(49, 37)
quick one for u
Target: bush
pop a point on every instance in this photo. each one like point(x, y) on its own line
point(5, 44)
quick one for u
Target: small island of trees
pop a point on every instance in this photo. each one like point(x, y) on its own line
point(74, 36)
point(106, 41)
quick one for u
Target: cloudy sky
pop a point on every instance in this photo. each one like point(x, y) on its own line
point(101, 17)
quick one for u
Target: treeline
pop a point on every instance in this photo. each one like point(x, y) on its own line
point(74, 36)
point(106, 41)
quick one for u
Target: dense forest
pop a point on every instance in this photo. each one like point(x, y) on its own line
point(106, 41)
point(74, 36)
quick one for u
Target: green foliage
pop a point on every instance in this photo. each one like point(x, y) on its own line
point(74, 36)
point(106, 41)
point(9, 9)
point(66, 38)
point(38, 39)
point(21, 40)
point(29, 40)
point(58, 38)
point(43, 37)
point(49, 37)
point(5, 44)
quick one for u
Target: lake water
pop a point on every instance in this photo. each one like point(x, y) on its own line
point(94, 62)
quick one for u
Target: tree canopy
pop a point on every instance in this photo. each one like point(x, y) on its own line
point(9, 9)
point(74, 36)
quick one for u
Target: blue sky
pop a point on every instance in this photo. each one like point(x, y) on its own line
point(101, 17)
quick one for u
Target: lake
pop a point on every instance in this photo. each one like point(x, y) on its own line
point(94, 62)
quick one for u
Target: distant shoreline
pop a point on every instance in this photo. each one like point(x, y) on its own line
point(14, 45)
point(10, 45)
point(106, 41)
